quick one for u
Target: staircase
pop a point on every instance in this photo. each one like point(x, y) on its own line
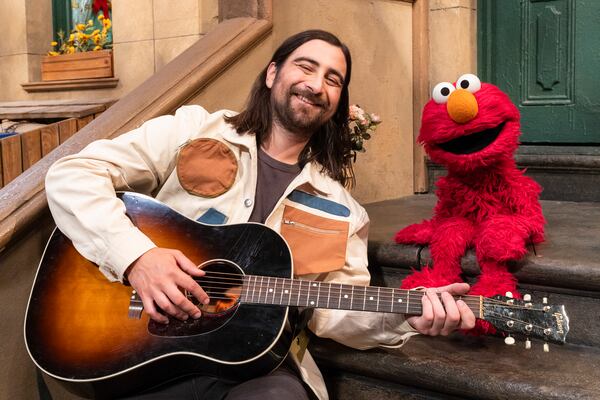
point(566, 269)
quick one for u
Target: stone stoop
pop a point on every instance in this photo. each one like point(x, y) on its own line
point(565, 268)
point(565, 172)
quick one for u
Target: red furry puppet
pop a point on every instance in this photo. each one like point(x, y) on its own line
point(484, 202)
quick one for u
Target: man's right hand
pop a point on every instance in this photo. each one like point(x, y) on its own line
point(158, 276)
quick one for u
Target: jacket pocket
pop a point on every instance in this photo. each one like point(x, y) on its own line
point(318, 244)
point(206, 167)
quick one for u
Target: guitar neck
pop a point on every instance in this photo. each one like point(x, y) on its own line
point(303, 293)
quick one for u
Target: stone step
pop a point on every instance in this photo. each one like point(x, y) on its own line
point(569, 258)
point(566, 268)
point(346, 385)
point(463, 367)
point(581, 307)
point(567, 173)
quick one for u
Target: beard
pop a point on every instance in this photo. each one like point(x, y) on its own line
point(302, 119)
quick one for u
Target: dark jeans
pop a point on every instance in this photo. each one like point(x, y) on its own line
point(279, 384)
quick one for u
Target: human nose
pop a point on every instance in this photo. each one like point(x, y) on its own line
point(315, 83)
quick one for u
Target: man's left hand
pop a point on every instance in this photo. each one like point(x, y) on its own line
point(445, 316)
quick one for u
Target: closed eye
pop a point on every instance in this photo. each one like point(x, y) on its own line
point(333, 80)
point(306, 67)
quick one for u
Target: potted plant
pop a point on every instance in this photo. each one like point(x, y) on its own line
point(85, 53)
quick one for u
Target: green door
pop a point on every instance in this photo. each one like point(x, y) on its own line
point(546, 55)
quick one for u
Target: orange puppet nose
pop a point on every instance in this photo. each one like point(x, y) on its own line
point(462, 106)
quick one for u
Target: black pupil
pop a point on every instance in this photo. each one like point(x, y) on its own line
point(464, 84)
point(445, 91)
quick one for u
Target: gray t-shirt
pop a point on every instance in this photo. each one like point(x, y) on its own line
point(272, 180)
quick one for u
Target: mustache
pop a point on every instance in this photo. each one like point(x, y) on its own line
point(310, 96)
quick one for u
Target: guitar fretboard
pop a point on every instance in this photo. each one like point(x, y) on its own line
point(302, 293)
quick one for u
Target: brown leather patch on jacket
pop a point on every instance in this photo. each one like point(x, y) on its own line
point(318, 244)
point(206, 167)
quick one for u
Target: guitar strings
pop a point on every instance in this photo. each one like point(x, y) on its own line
point(385, 294)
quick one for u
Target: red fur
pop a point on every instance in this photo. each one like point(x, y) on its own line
point(484, 201)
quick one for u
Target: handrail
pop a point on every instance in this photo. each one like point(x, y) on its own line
point(23, 200)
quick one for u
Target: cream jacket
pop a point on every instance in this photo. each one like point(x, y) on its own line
point(173, 159)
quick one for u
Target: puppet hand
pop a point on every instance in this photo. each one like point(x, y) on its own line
point(442, 317)
point(159, 276)
point(415, 234)
point(502, 238)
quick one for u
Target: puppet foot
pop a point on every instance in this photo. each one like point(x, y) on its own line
point(428, 277)
point(488, 286)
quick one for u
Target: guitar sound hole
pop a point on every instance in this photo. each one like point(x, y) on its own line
point(223, 284)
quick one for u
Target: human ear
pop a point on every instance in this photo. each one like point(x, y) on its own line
point(271, 72)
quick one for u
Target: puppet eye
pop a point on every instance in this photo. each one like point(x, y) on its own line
point(468, 82)
point(441, 91)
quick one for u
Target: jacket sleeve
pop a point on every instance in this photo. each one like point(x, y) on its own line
point(81, 188)
point(358, 329)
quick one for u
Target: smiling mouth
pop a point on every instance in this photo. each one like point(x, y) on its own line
point(309, 100)
point(473, 142)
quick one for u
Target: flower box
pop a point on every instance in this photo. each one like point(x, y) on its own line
point(83, 65)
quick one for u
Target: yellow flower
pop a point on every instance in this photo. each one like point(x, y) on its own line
point(100, 17)
point(52, 53)
point(90, 22)
point(107, 24)
point(80, 27)
point(72, 37)
point(97, 31)
point(53, 43)
point(97, 48)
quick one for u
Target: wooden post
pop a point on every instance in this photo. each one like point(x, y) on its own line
point(31, 147)
point(67, 128)
point(11, 158)
point(420, 14)
point(50, 138)
point(83, 121)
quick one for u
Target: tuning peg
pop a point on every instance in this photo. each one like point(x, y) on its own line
point(509, 340)
point(546, 348)
point(527, 344)
point(527, 297)
point(545, 300)
point(509, 294)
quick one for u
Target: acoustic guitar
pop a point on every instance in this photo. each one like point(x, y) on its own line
point(92, 335)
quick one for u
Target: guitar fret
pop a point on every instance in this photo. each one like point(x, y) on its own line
point(281, 295)
point(309, 294)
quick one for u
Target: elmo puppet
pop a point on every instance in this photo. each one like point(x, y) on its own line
point(484, 201)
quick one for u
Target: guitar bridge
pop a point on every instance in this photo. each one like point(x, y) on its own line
point(135, 306)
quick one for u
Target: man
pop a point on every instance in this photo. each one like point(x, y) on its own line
point(282, 161)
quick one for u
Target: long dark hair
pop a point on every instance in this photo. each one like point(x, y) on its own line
point(330, 146)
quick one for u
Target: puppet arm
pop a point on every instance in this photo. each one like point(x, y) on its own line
point(505, 237)
point(416, 233)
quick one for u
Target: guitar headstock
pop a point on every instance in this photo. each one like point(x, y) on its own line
point(538, 320)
